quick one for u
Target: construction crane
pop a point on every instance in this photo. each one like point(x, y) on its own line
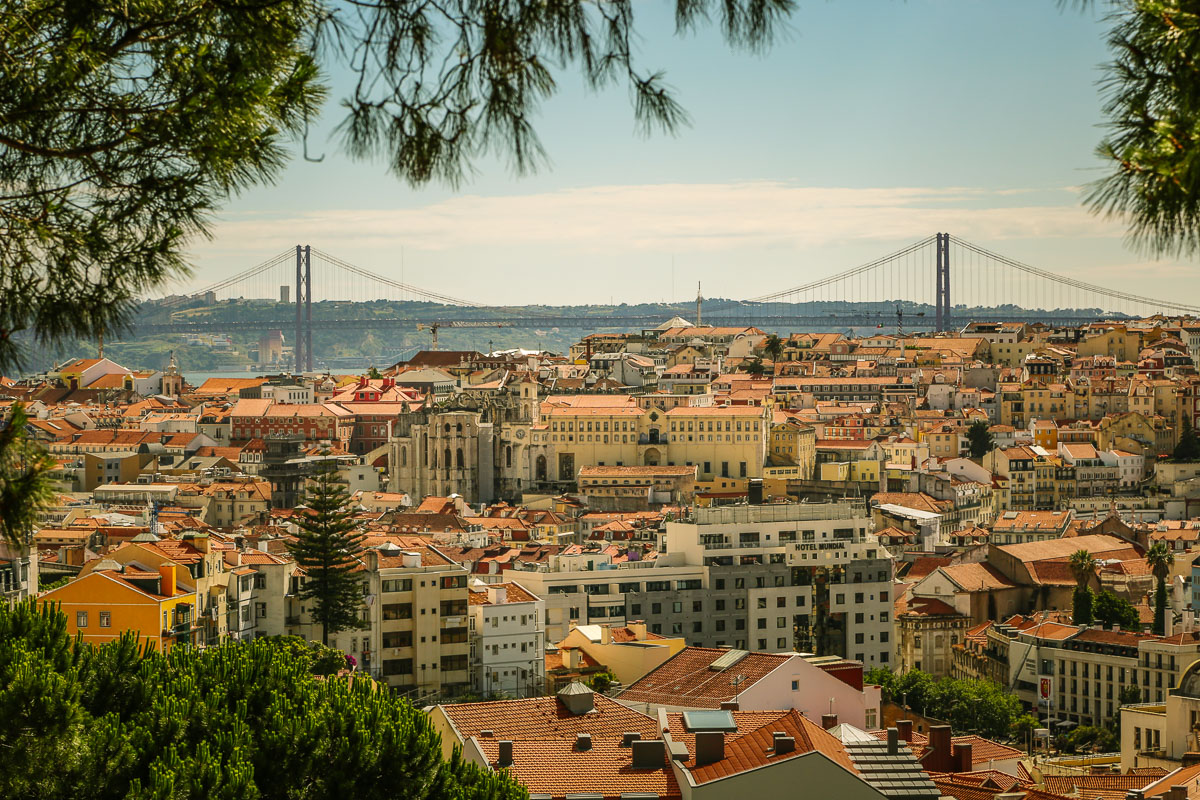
point(434, 327)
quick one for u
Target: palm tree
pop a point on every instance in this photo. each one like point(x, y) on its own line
point(773, 347)
point(1159, 558)
point(1083, 567)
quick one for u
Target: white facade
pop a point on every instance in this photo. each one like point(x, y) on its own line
point(507, 640)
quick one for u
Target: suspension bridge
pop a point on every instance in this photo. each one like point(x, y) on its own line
point(938, 283)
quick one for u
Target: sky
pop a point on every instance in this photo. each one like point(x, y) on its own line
point(871, 124)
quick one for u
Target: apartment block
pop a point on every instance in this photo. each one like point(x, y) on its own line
point(507, 637)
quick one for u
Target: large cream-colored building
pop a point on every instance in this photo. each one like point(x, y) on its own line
point(724, 441)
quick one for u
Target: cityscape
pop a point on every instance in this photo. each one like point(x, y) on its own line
point(599, 401)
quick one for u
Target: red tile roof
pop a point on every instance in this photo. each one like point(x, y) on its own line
point(546, 717)
point(556, 767)
point(685, 679)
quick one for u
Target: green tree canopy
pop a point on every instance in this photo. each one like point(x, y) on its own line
point(981, 706)
point(1188, 449)
point(327, 547)
point(127, 123)
point(1110, 610)
point(1153, 143)
point(25, 489)
point(1083, 567)
point(239, 720)
point(979, 439)
point(773, 347)
point(1160, 558)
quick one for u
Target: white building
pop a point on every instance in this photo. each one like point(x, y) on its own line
point(507, 640)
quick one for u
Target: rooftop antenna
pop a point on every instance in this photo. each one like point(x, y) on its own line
point(737, 681)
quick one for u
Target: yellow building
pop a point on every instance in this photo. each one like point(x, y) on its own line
point(627, 651)
point(721, 441)
point(794, 443)
point(106, 602)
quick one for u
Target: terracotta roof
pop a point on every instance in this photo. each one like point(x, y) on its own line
point(556, 767)
point(976, 576)
point(685, 679)
point(546, 717)
point(929, 607)
point(754, 747)
point(982, 750)
point(1067, 784)
point(923, 566)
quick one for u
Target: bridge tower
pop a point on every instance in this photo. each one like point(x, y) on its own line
point(944, 322)
point(302, 348)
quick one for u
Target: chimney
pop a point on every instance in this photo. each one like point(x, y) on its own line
point(583, 741)
point(504, 757)
point(710, 747)
point(893, 741)
point(938, 756)
point(784, 744)
point(410, 559)
point(649, 754)
point(904, 728)
point(966, 761)
point(828, 721)
point(1178, 792)
point(729, 705)
point(639, 629)
point(167, 584)
point(605, 634)
point(628, 738)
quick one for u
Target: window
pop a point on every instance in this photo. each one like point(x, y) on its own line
point(761, 623)
point(105, 619)
point(397, 639)
point(762, 602)
point(781, 622)
point(656, 608)
point(397, 611)
point(677, 607)
point(720, 605)
point(81, 620)
point(404, 585)
point(697, 627)
point(840, 599)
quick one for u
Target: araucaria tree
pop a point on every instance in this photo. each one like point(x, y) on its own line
point(1083, 567)
point(328, 549)
point(1160, 558)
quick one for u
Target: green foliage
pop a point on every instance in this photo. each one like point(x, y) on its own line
point(1160, 558)
point(1022, 727)
point(1153, 87)
point(327, 547)
point(126, 125)
point(979, 439)
point(374, 374)
point(754, 366)
point(321, 660)
point(981, 707)
point(1088, 738)
point(1112, 611)
point(602, 681)
point(25, 487)
point(1081, 606)
point(1188, 449)
point(1129, 695)
point(239, 720)
point(773, 347)
point(45, 585)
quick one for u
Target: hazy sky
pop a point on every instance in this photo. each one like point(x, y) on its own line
point(873, 124)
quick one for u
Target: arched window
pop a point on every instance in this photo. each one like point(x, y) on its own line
point(446, 427)
point(541, 468)
point(458, 458)
point(448, 463)
point(458, 429)
point(404, 456)
point(508, 456)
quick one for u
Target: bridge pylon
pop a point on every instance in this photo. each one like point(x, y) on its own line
point(943, 306)
point(302, 356)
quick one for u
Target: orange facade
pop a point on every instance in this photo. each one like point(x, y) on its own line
point(103, 605)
